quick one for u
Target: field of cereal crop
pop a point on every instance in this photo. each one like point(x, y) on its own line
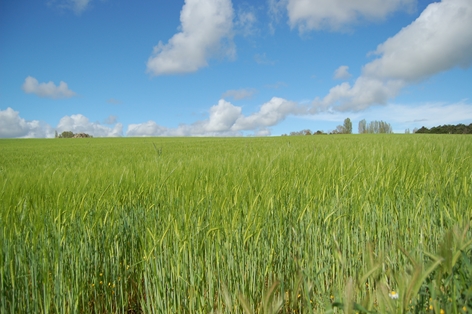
point(200, 225)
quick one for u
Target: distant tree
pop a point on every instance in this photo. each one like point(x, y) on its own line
point(422, 130)
point(376, 127)
point(385, 127)
point(447, 129)
point(347, 126)
point(340, 129)
point(302, 132)
point(67, 134)
point(407, 131)
point(362, 126)
point(415, 130)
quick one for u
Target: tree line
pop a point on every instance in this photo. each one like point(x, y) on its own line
point(373, 127)
point(447, 129)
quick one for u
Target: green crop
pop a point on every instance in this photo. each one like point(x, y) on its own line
point(224, 225)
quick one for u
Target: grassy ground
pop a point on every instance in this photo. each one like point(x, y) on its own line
point(195, 225)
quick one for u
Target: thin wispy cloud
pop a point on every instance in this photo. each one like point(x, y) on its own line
point(261, 58)
point(276, 85)
point(239, 94)
point(77, 6)
point(114, 101)
point(246, 21)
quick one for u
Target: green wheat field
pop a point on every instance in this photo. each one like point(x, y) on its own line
point(305, 224)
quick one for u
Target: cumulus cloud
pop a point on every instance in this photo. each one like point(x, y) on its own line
point(238, 94)
point(49, 90)
point(78, 123)
point(438, 40)
point(342, 72)
point(12, 125)
point(336, 14)
point(220, 122)
point(364, 93)
point(206, 31)
point(270, 113)
point(222, 117)
point(225, 119)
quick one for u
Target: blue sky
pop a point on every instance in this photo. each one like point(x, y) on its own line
point(231, 67)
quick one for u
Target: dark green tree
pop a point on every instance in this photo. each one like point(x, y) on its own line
point(67, 134)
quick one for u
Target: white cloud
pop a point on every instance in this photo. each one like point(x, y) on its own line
point(149, 128)
point(342, 72)
point(238, 94)
point(364, 93)
point(270, 113)
point(226, 120)
point(337, 14)
point(49, 90)
point(78, 123)
point(221, 120)
point(12, 125)
point(222, 117)
point(206, 31)
point(438, 40)
point(262, 132)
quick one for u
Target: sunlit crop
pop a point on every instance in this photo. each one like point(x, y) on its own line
point(195, 225)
